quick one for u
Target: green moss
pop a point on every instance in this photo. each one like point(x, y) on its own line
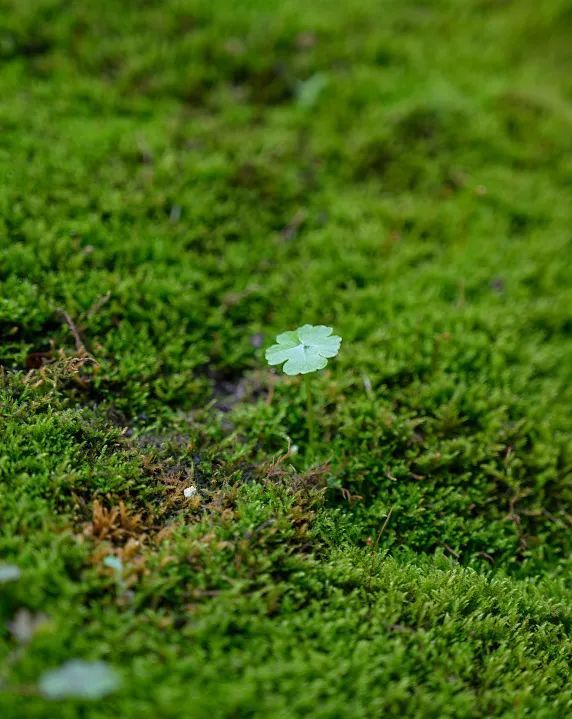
point(185, 180)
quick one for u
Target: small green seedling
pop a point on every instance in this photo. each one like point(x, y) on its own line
point(79, 679)
point(303, 351)
point(9, 573)
point(113, 562)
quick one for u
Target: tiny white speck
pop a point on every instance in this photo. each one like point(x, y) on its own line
point(190, 491)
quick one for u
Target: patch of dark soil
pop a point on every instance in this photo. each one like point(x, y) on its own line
point(37, 335)
point(270, 85)
point(12, 47)
point(229, 389)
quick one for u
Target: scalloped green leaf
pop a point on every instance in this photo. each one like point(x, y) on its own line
point(78, 678)
point(9, 573)
point(306, 349)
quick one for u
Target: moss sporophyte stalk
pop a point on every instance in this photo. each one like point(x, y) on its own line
point(305, 350)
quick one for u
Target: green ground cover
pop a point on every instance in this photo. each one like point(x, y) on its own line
point(179, 182)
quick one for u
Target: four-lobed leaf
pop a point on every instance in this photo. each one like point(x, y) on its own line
point(306, 349)
point(9, 573)
point(80, 679)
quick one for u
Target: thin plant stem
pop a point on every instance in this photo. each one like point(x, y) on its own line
point(375, 546)
point(310, 417)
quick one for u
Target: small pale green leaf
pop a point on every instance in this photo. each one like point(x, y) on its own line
point(309, 90)
point(306, 349)
point(9, 573)
point(78, 678)
point(113, 563)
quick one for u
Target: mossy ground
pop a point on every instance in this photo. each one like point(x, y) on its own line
point(180, 181)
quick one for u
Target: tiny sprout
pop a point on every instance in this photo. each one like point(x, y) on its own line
point(79, 679)
point(303, 351)
point(115, 563)
point(9, 573)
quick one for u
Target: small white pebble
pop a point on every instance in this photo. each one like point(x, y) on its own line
point(190, 491)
